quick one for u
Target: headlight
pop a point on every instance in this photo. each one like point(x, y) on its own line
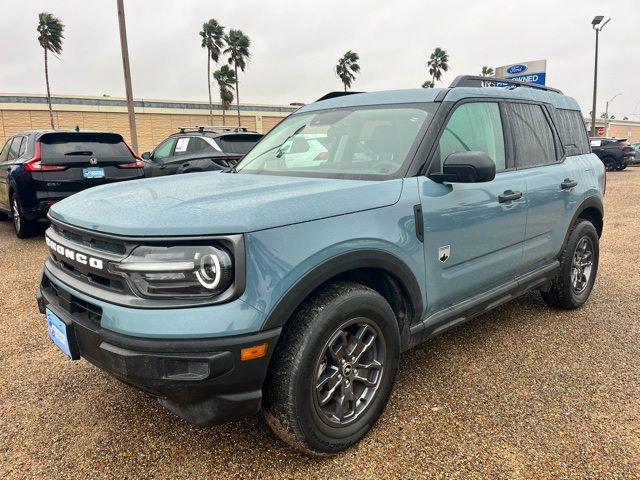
point(178, 271)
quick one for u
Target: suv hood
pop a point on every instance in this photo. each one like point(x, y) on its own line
point(218, 203)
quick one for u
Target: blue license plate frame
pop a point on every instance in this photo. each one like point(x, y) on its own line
point(93, 172)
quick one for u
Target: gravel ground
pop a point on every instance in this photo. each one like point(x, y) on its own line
point(522, 392)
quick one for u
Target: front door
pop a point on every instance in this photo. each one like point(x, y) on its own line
point(473, 232)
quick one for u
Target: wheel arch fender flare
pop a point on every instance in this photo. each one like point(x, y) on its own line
point(342, 264)
point(591, 203)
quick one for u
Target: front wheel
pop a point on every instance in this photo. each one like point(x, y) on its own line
point(578, 268)
point(609, 164)
point(333, 369)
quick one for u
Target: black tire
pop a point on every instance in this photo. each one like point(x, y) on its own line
point(609, 164)
point(301, 361)
point(24, 228)
point(563, 292)
point(622, 167)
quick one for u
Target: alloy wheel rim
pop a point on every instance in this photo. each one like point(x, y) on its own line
point(582, 265)
point(349, 372)
point(16, 214)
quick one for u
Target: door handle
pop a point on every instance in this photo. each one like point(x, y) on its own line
point(509, 195)
point(568, 184)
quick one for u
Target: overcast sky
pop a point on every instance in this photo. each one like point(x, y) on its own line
point(296, 43)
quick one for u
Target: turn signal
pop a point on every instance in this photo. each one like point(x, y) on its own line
point(256, 351)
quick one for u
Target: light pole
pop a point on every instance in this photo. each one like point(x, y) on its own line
point(127, 76)
point(606, 114)
point(594, 23)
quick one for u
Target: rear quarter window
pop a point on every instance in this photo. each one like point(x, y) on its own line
point(573, 133)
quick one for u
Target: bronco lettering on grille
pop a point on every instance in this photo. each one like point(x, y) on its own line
point(80, 258)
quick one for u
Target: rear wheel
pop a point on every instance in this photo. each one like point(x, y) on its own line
point(578, 268)
point(333, 369)
point(24, 228)
point(609, 164)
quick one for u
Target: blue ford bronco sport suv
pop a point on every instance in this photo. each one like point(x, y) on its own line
point(292, 283)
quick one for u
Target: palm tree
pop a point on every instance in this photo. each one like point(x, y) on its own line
point(212, 34)
point(487, 72)
point(438, 63)
point(238, 49)
point(347, 67)
point(225, 78)
point(50, 29)
point(428, 84)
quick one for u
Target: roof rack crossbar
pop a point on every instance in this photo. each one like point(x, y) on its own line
point(212, 128)
point(477, 81)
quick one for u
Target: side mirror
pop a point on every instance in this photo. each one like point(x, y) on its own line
point(466, 167)
point(146, 156)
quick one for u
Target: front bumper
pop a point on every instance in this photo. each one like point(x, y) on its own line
point(202, 380)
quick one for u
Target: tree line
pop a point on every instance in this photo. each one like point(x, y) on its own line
point(235, 45)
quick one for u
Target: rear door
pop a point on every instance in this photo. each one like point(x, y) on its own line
point(6, 163)
point(554, 183)
point(74, 161)
point(473, 232)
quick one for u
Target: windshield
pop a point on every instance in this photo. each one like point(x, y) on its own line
point(360, 142)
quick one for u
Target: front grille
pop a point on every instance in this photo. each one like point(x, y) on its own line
point(88, 276)
point(90, 241)
point(71, 304)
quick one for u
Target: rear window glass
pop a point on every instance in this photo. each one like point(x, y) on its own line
point(69, 145)
point(237, 144)
point(533, 138)
point(573, 133)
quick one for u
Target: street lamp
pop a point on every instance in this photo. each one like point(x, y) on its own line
point(595, 23)
point(606, 114)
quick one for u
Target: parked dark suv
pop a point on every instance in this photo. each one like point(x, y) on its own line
point(615, 153)
point(39, 168)
point(199, 149)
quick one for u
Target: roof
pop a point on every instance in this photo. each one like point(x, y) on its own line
point(62, 130)
point(427, 95)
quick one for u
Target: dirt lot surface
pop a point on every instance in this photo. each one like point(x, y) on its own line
point(523, 392)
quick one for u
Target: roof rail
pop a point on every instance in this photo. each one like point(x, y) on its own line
point(477, 81)
point(212, 129)
point(335, 95)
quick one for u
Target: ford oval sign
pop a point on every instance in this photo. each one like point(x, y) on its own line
point(514, 69)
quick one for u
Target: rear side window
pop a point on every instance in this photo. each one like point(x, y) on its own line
point(16, 148)
point(533, 140)
point(573, 133)
point(473, 127)
point(199, 146)
point(237, 144)
point(66, 146)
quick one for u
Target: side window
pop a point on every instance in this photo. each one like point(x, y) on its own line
point(473, 126)
point(573, 133)
point(182, 144)
point(199, 146)
point(14, 149)
point(532, 136)
point(5, 151)
point(164, 149)
point(23, 146)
